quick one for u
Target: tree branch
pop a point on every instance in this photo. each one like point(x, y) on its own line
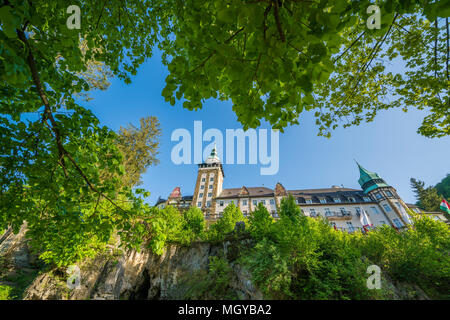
point(48, 115)
point(278, 22)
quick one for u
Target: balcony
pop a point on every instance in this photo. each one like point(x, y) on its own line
point(339, 215)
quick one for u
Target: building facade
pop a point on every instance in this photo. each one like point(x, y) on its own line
point(375, 204)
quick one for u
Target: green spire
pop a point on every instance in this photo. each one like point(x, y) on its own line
point(369, 180)
point(214, 151)
point(213, 157)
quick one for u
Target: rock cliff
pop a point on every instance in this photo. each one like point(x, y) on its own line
point(116, 274)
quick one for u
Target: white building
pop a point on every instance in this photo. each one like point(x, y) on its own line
point(347, 209)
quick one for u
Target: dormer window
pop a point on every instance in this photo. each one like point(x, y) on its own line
point(366, 199)
point(388, 193)
point(323, 200)
point(337, 200)
point(351, 199)
point(309, 201)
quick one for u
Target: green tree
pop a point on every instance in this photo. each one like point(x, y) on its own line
point(443, 187)
point(226, 224)
point(194, 223)
point(275, 59)
point(60, 169)
point(138, 146)
point(289, 209)
point(260, 222)
point(427, 198)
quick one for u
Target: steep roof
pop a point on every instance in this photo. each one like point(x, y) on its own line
point(252, 192)
point(369, 180)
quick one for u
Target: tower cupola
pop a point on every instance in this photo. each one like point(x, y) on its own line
point(369, 180)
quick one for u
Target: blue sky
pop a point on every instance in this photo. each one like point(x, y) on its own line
point(389, 145)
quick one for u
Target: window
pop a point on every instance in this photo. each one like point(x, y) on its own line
point(399, 206)
point(342, 210)
point(387, 208)
point(202, 187)
point(388, 193)
point(272, 201)
point(244, 212)
point(308, 201)
point(210, 194)
point(398, 223)
point(208, 204)
point(199, 204)
point(382, 222)
point(210, 186)
point(358, 210)
point(337, 200)
point(312, 212)
point(366, 199)
point(351, 199)
point(350, 226)
point(244, 202)
point(203, 179)
point(378, 195)
point(263, 202)
point(211, 179)
point(328, 212)
point(221, 203)
point(374, 210)
point(200, 195)
point(255, 202)
point(323, 200)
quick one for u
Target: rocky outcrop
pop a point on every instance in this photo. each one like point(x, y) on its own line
point(117, 274)
point(139, 275)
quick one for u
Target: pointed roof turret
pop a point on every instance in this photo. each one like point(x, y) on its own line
point(213, 157)
point(369, 180)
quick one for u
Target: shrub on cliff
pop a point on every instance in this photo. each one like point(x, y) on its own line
point(226, 224)
point(260, 222)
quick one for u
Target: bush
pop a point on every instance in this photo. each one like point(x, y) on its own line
point(260, 222)
point(418, 255)
point(193, 224)
point(5, 293)
point(166, 226)
point(226, 224)
point(304, 258)
point(212, 285)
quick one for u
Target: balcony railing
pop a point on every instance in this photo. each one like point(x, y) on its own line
point(334, 215)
